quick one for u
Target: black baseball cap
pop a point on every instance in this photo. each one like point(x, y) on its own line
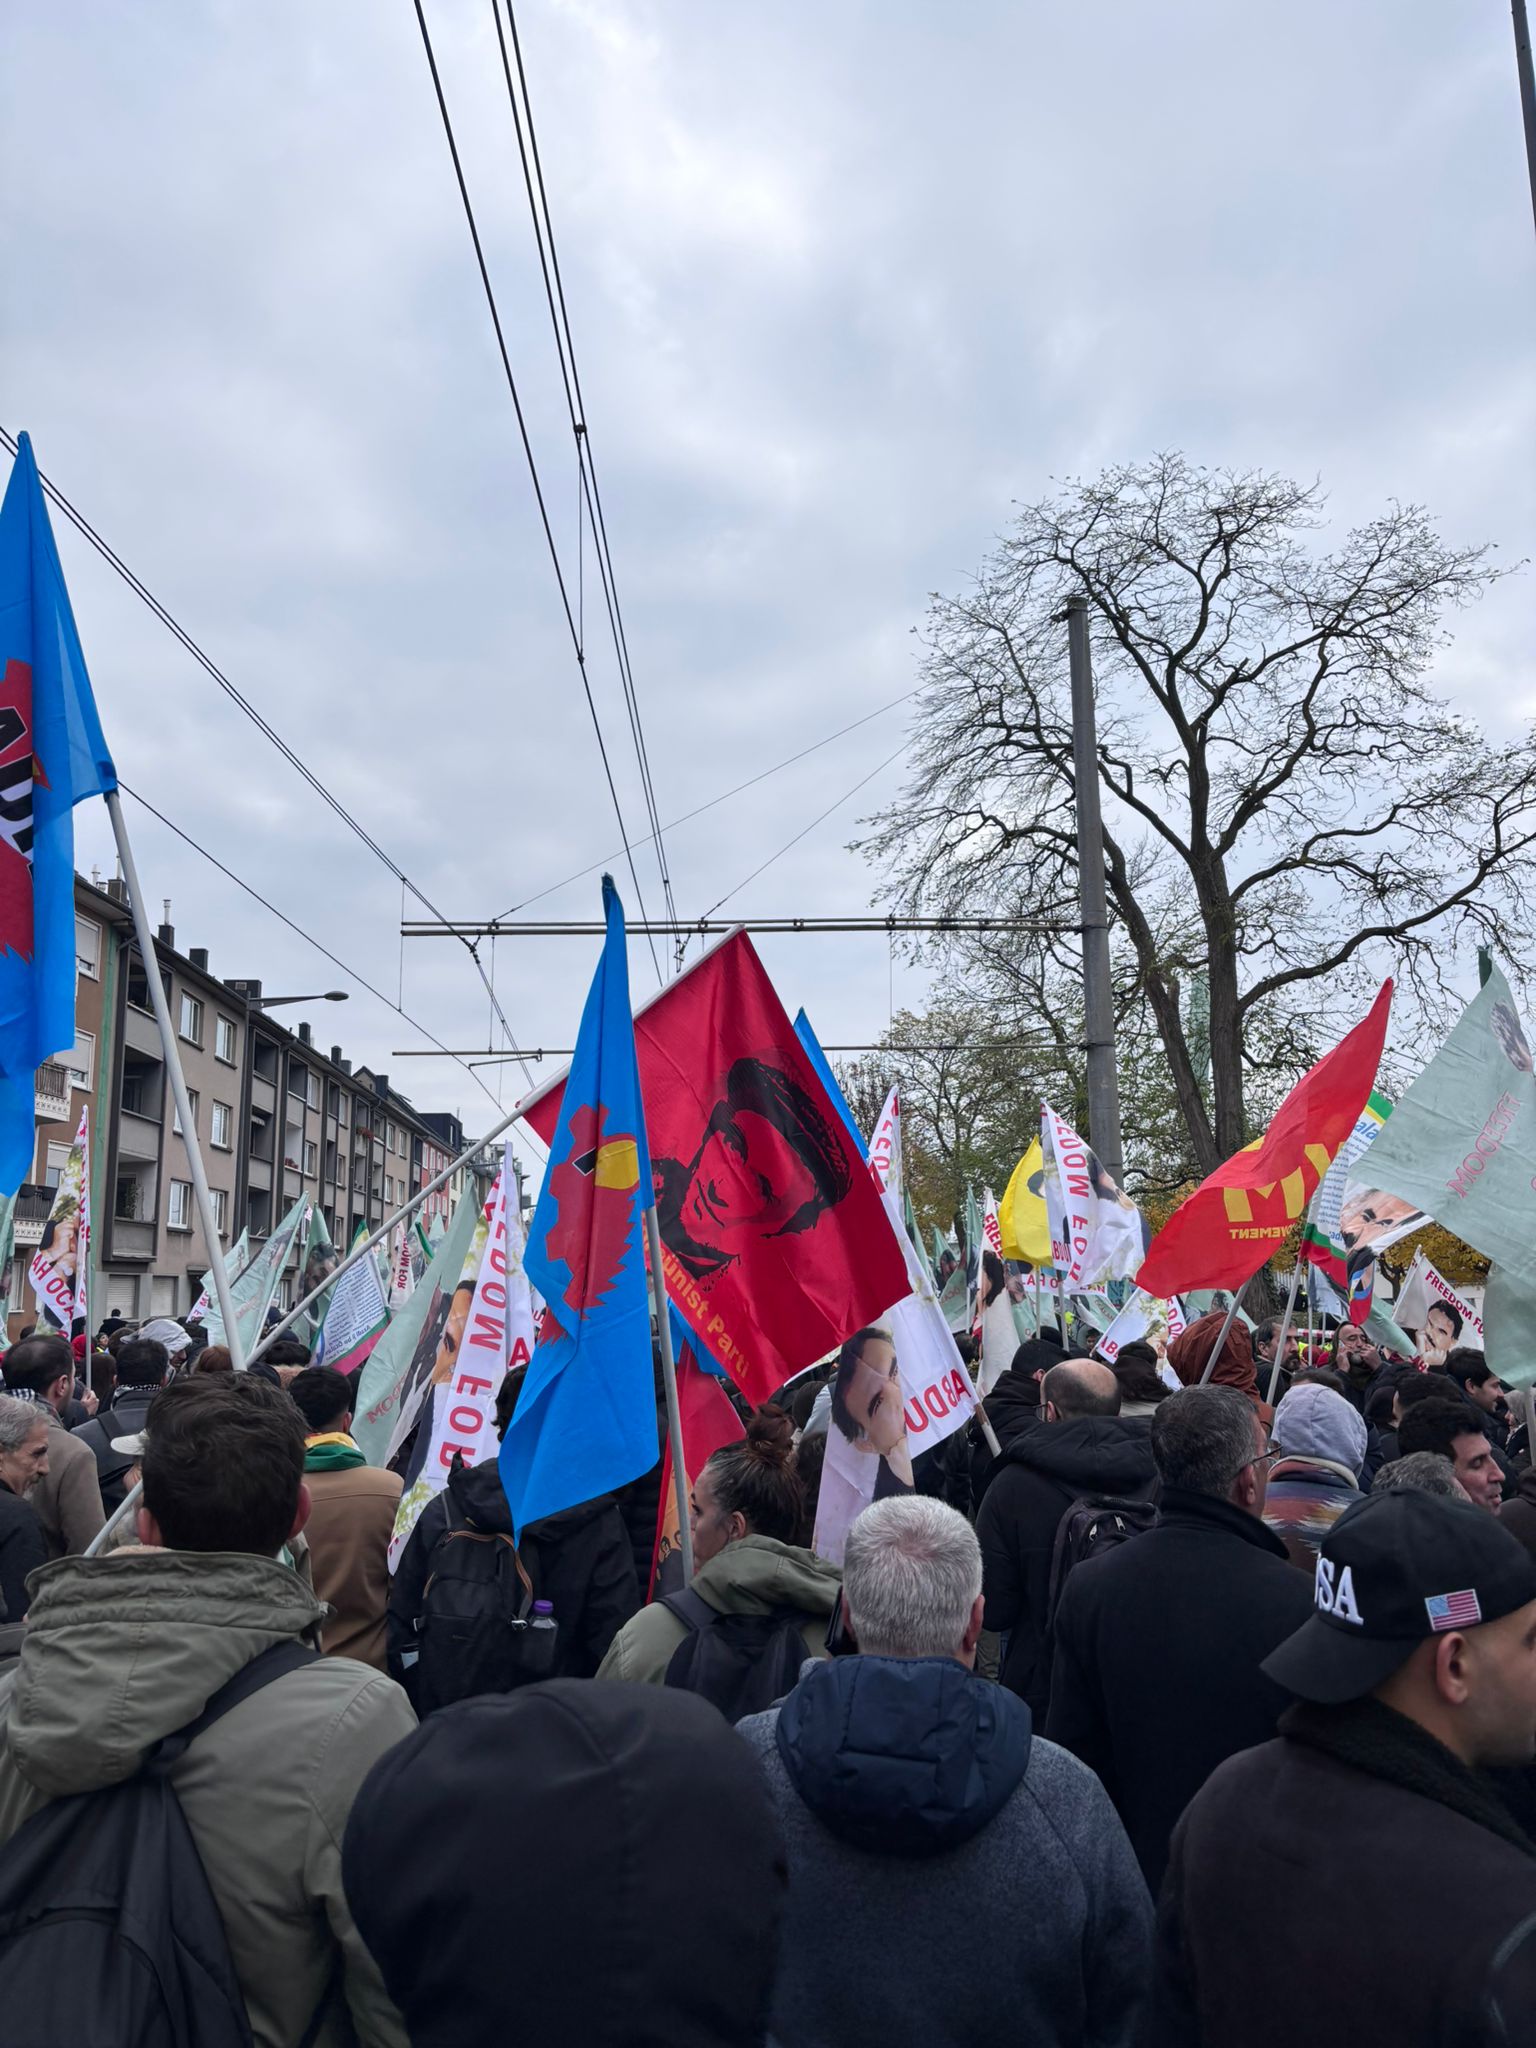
point(1398, 1568)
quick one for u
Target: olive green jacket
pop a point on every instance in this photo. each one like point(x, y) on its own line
point(755, 1576)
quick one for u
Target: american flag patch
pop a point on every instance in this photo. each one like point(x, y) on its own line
point(1453, 1610)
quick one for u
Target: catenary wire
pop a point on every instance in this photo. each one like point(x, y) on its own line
point(533, 468)
point(820, 818)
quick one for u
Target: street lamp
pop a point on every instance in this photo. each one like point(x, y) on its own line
point(332, 995)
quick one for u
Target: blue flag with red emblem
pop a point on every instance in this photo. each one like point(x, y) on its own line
point(52, 756)
point(586, 1417)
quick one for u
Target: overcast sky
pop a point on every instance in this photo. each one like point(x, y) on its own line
point(845, 281)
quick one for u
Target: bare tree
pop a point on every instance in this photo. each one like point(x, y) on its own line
point(1289, 805)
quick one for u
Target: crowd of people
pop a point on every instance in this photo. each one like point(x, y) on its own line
point(1183, 1717)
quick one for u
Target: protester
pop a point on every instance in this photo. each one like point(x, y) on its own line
point(67, 1498)
point(1416, 1672)
point(1141, 1389)
point(1453, 1429)
point(1266, 1338)
point(1322, 1441)
point(352, 1507)
point(140, 1369)
point(913, 1795)
point(458, 1585)
point(213, 1358)
point(1518, 1513)
point(1013, 1406)
point(1159, 1643)
point(744, 1511)
point(1357, 1361)
point(1475, 1380)
point(121, 1651)
point(1082, 1446)
point(24, 1444)
point(575, 1865)
point(1424, 1472)
point(1190, 1353)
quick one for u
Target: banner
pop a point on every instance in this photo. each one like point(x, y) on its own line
point(898, 1393)
point(424, 1335)
point(356, 1315)
point(885, 1147)
point(775, 1242)
point(1143, 1320)
point(1341, 1203)
point(497, 1338)
point(1097, 1232)
point(402, 1279)
point(236, 1259)
point(1022, 1216)
point(709, 1423)
point(1441, 1318)
point(61, 1263)
point(1460, 1147)
point(256, 1289)
point(1221, 1234)
point(317, 1261)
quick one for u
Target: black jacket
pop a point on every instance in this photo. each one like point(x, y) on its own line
point(1035, 1481)
point(1155, 1677)
point(1381, 1889)
point(124, 1417)
point(23, 1547)
point(578, 1560)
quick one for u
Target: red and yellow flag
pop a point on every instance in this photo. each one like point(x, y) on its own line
point(1221, 1234)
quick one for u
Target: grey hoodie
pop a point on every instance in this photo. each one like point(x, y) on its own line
point(120, 1651)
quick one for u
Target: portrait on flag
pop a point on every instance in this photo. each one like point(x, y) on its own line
point(1097, 1232)
point(60, 1264)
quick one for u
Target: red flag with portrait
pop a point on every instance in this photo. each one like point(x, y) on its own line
point(775, 1243)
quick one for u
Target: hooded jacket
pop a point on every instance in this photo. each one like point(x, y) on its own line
point(1155, 1675)
point(1036, 1480)
point(928, 1830)
point(122, 1650)
point(757, 1575)
point(352, 1508)
point(1306, 1496)
point(579, 1560)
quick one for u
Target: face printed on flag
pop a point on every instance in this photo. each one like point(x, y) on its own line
point(17, 767)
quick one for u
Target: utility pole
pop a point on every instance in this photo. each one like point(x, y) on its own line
point(1103, 1084)
point(1527, 89)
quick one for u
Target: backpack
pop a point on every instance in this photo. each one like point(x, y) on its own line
point(109, 1934)
point(740, 1663)
point(112, 1467)
point(1090, 1527)
point(475, 1629)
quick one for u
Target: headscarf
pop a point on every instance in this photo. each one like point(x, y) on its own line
point(1188, 1352)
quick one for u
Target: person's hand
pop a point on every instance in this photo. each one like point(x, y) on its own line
point(89, 1402)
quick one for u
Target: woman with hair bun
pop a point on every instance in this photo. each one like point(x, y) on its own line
point(745, 1510)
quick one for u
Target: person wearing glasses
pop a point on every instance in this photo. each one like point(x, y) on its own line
point(1156, 1678)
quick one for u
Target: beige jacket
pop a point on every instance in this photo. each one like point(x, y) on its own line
point(68, 1496)
point(121, 1650)
point(351, 1514)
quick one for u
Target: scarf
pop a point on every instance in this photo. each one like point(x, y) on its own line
point(333, 1451)
point(1372, 1738)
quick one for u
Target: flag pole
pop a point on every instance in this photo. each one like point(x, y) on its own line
point(162, 1010)
point(669, 1380)
point(1284, 1332)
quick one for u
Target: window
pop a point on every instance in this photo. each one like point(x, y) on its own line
point(88, 948)
point(298, 1078)
point(312, 1090)
point(193, 1098)
point(389, 1191)
point(224, 1042)
point(82, 1061)
point(221, 1210)
point(311, 1156)
point(223, 1125)
point(190, 1019)
point(58, 1159)
point(341, 1108)
point(178, 1214)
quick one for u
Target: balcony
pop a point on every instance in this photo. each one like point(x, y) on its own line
point(128, 1238)
point(138, 1137)
point(34, 1202)
point(51, 1103)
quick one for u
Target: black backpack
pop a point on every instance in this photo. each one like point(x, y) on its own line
point(109, 1934)
point(112, 1467)
point(475, 1628)
point(1090, 1527)
point(741, 1663)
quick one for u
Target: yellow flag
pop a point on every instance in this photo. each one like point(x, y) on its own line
point(1021, 1213)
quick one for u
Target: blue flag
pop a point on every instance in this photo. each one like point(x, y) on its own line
point(52, 756)
point(828, 1079)
point(586, 1417)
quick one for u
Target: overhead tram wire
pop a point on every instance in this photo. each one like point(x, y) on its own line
point(178, 632)
point(533, 468)
point(570, 376)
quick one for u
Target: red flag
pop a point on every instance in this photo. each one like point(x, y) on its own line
point(776, 1245)
point(1221, 1234)
point(709, 1424)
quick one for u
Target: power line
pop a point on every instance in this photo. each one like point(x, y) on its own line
point(565, 347)
point(533, 468)
point(141, 590)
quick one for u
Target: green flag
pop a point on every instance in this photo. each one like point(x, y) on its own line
point(1459, 1147)
point(317, 1258)
point(252, 1294)
point(399, 1370)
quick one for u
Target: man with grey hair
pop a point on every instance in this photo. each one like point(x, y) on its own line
point(1159, 1642)
point(925, 1824)
point(23, 1547)
point(1423, 1472)
point(1085, 1448)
